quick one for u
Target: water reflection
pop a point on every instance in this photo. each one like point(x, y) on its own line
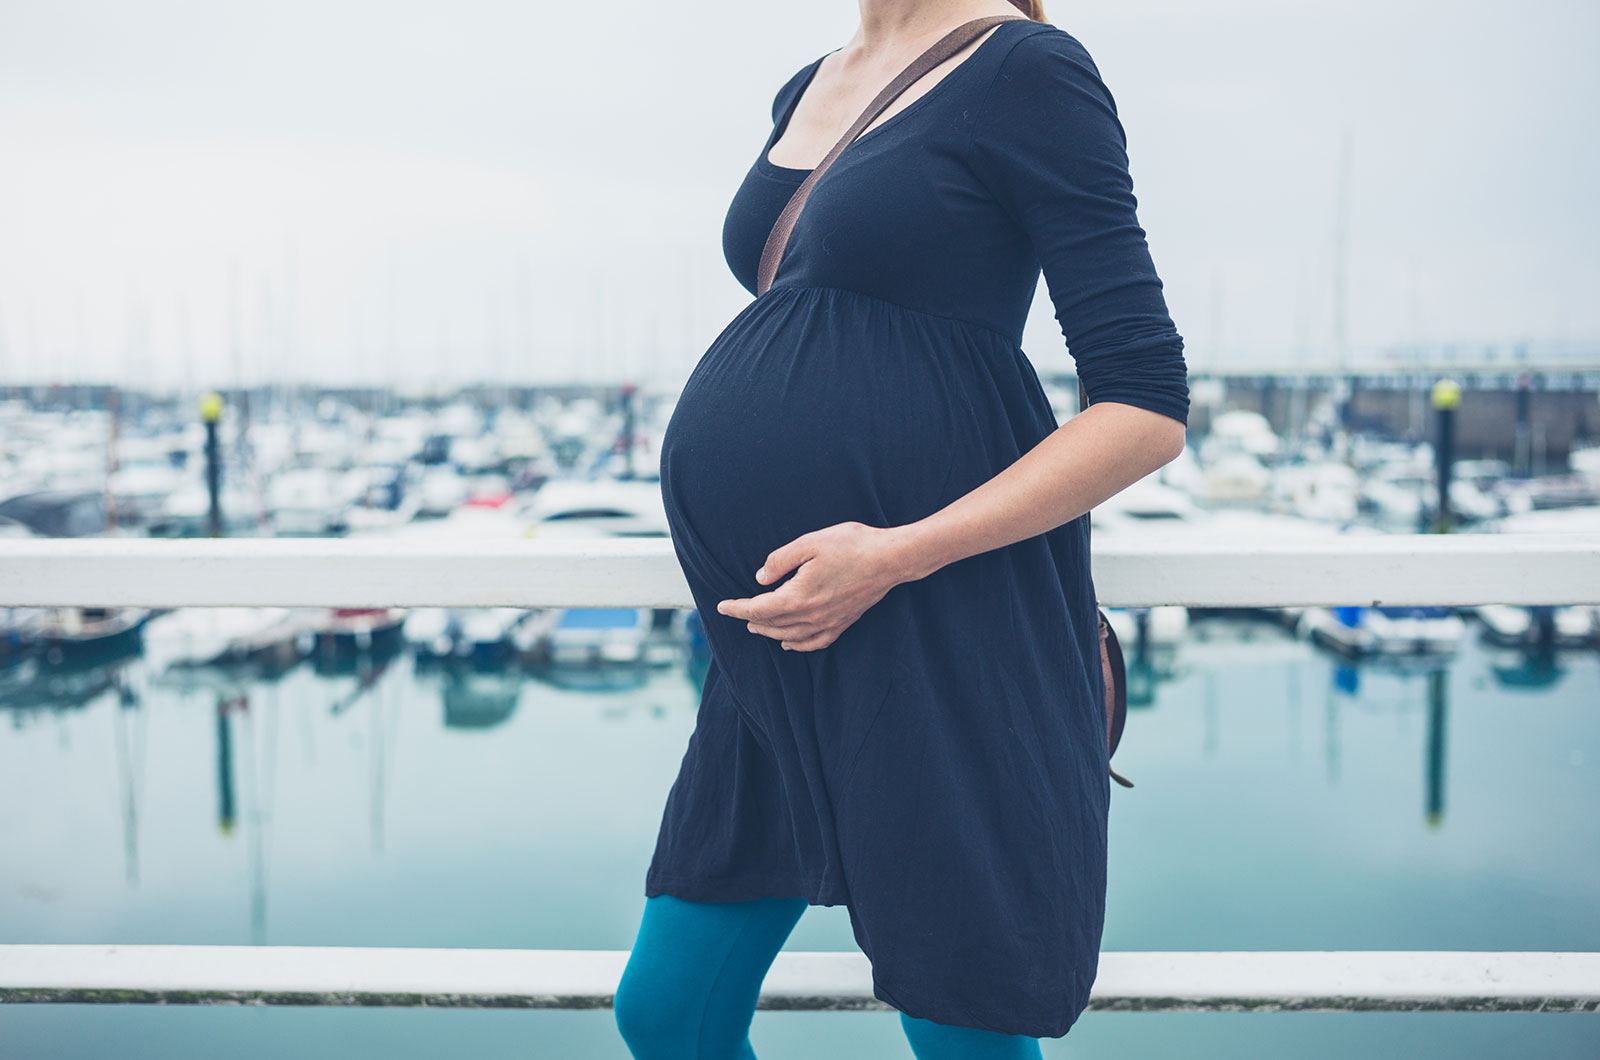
point(383, 796)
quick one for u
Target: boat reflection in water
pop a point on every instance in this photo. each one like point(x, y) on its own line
point(596, 647)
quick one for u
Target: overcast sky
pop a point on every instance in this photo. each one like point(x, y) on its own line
point(432, 192)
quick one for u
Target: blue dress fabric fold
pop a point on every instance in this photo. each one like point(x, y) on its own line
point(940, 768)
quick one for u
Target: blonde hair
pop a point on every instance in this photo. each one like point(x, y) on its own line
point(1034, 9)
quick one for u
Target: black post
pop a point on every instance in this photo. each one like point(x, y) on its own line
point(1544, 628)
point(1522, 454)
point(1446, 396)
point(1438, 710)
point(627, 430)
point(211, 412)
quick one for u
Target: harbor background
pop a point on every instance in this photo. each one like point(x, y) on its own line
point(374, 273)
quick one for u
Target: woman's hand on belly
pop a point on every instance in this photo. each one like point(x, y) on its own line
point(842, 570)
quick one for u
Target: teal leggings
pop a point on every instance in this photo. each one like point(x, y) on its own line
point(690, 986)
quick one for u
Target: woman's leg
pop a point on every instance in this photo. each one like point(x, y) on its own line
point(940, 1041)
point(690, 987)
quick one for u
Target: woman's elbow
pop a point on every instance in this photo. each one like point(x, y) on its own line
point(1176, 433)
point(1164, 418)
point(1169, 433)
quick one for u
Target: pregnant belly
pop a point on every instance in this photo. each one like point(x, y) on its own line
point(815, 406)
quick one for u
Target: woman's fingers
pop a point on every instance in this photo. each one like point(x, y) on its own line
point(820, 640)
point(784, 605)
point(761, 611)
point(780, 632)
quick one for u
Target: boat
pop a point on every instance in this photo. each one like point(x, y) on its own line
point(140, 488)
point(476, 700)
point(1165, 626)
point(1384, 630)
point(1323, 491)
point(441, 491)
point(1237, 478)
point(75, 635)
point(1405, 497)
point(186, 512)
point(200, 636)
point(485, 633)
point(344, 630)
point(603, 507)
point(1240, 431)
point(1571, 626)
point(307, 502)
point(58, 512)
point(594, 636)
point(430, 632)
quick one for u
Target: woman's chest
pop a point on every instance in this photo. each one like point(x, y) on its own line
point(900, 214)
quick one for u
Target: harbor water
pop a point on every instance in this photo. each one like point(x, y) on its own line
point(1285, 799)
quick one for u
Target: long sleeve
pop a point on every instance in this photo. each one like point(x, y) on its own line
point(1048, 145)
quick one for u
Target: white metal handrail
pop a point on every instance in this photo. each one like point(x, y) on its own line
point(1446, 569)
point(1222, 981)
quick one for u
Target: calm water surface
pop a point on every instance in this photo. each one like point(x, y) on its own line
point(1283, 801)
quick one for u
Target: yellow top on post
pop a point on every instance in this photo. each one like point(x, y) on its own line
point(1446, 394)
point(211, 406)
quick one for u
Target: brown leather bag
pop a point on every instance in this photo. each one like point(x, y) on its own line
point(1113, 671)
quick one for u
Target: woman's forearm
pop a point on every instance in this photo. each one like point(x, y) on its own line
point(1094, 455)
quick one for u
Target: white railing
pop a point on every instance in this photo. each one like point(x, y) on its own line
point(1449, 570)
point(1458, 570)
point(1229, 980)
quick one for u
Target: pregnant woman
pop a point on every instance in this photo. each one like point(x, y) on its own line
point(886, 533)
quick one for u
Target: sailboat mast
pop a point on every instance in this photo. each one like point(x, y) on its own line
point(1343, 384)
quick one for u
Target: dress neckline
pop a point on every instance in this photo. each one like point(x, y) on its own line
point(772, 168)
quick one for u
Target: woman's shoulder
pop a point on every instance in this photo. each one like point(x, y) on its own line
point(1044, 62)
point(796, 82)
point(1043, 47)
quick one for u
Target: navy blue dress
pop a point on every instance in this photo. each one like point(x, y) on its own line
point(940, 768)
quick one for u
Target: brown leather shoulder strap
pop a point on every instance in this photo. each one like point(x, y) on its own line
point(942, 49)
